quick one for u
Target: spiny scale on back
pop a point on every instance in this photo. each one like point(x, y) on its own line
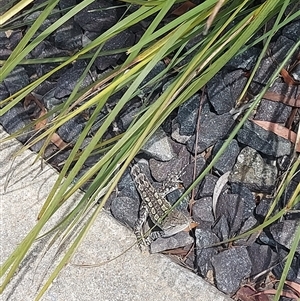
point(155, 205)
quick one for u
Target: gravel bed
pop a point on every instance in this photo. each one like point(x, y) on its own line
point(246, 175)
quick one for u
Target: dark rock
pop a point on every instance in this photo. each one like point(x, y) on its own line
point(261, 257)
point(174, 196)
point(262, 208)
point(15, 119)
point(146, 86)
point(45, 49)
point(44, 87)
point(264, 141)
point(4, 40)
point(126, 186)
point(68, 81)
point(247, 240)
point(292, 31)
point(98, 122)
point(31, 17)
point(125, 210)
point(244, 60)
point(207, 186)
point(234, 259)
point(205, 238)
point(283, 163)
point(122, 40)
point(14, 39)
point(293, 271)
point(129, 114)
point(224, 90)
point(273, 111)
point(296, 73)
point(71, 130)
point(158, 146)
point(188, 114)
point(279, 112)
point(115, 98)
point(162, 171)
point(221, 228)
point(278, 52)
point(247, 197)
point(169, 173)
point(69, 36)
point(4, 53)
point(251, 170)
point(187, 177)
point(63, 4)
point(42, 69)
point(96, 16)
point(284, 232)
point(51, 150)
point(183, 125)
point(178, 240)
point(212, 129)
point(3, 92)
point(55, 158)
point(16, 80)
point(202, 211)
point(190, 53)
point(50, 101)
point(288, 193)
point(176, 136)
point(227, 159)
point(231, 206)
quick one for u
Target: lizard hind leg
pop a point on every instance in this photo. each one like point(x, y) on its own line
point(138, 227)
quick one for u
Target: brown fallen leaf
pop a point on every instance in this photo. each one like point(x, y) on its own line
point(278, 130)
point(55, 138)
point(290, 101)
point(287, 78)
point(248, 293)
point(28, 99)
point(284, 293)
point(178, 252)
point(294, 285)
point(191, 226)
point(183, 8)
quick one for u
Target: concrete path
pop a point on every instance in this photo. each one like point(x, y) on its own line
point(133, 276)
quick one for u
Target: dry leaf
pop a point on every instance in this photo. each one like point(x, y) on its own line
point(191, 226)
point(295, 286)
point(218, 190)
point(55, 139)
point(287, 78)
point(278, 130)
point(284, 293)
point(186, 6)
point(248, 293)
point(178, 251)
point(290, 101)
point(28, 99)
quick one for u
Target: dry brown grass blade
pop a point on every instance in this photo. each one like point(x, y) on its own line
point(213, 16)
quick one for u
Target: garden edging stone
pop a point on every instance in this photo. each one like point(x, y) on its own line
point(133, 276)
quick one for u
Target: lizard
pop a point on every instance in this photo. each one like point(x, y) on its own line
point(155, 205)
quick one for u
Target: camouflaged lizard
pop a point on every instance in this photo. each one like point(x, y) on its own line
point(155, 205)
